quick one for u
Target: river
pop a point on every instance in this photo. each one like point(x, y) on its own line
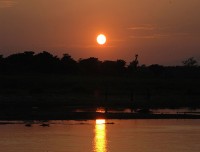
point(101, 136)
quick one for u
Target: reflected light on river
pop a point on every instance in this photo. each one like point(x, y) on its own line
point(100, 136)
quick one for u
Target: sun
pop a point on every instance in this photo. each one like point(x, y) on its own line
point(100, 121)
point(101, 39)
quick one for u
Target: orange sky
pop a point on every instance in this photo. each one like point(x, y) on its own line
point(160, 31)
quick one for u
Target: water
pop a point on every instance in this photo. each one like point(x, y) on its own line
point(96, 136)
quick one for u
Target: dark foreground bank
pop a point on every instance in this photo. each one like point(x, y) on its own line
point(56, 97)
point(96, 115)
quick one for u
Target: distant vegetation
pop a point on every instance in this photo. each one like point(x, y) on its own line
point(42, 83)
point(44, 62)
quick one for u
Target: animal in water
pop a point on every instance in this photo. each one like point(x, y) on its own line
point(44, 125)
point(28, 125)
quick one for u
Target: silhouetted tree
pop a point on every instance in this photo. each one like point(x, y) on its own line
point(108, 68)
point(190, 62)
point(121, 66)
point(156, 69)
point(90, 65)
point(46, 62)
point(69, 65)
point(113, 67)
point(20, 61)
point(1, 59)
point(2, 66)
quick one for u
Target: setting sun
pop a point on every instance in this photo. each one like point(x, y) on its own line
point(100, 121)
point(101, 39)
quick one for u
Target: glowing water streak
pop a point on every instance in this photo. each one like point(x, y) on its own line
point(100, 136)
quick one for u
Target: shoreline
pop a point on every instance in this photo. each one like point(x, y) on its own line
point(96, 115)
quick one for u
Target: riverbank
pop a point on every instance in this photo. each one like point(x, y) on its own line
point(57, 97)
point(96, 115)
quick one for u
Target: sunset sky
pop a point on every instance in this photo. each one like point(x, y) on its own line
point(160, 31)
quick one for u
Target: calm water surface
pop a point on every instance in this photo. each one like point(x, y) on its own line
point(95, 136)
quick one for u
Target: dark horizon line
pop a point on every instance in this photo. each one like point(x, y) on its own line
point(3, 56)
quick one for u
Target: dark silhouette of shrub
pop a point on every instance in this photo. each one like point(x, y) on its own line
point(89, 66)
point(46, 62)
point(156, 69)
point(190, 62)
point(68, 64)
point(113, 67)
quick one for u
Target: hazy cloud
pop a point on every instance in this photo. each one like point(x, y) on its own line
point(117, 40)
point(153, 36)
point(161, 35)
point(7, 3)
point(142, 27)
point(149, 31)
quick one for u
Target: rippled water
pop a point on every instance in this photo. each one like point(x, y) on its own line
point(100, 136)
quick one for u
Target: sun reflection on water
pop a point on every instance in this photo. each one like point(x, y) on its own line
point(100, 136)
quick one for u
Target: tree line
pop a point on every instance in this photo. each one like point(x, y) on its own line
point(45, 62)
